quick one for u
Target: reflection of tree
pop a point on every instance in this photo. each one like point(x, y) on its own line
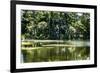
point(52, 25)
point(55, 25)
point(56, 54)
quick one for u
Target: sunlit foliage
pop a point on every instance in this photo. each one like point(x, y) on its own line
point(54, 25)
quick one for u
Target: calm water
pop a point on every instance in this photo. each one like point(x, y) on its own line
point(56, 51)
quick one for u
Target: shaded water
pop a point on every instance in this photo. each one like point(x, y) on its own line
point(56, 51)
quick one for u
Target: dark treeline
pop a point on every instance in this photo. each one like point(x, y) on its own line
point(53, 25)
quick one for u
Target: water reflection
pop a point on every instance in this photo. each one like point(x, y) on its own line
point(57, 51)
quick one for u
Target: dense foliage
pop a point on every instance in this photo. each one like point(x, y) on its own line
point(52, 25)
point(54, 36)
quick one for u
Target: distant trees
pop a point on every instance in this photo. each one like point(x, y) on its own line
point(55, 25)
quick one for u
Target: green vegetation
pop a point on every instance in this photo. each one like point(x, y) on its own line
point(54, 36)
point(55, 25)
